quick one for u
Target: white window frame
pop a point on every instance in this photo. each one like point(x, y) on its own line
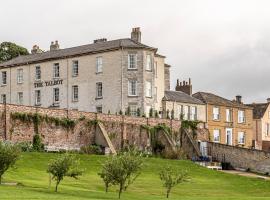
point(148, 62)
point(99, 64)
point(20, 98)
point(216, 113)
point(132, 61)
point(241, 137)
point(148, 89)
point(267, 129)
point(228, 115)
point(186, 110)
point(4, 78)
point(99, 90)
point(133, 109)
point(241, 116)
point(3, 98)
point(19, 76)
point(132, 88)
point(37, 73)
point(75, 93)
point(75, 68)
point(193, 112)
point(216, 135)
point(37, 97)
point(56, 70)
point(56, 95)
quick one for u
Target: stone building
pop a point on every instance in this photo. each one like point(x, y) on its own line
point(183, 104)
point(105, 76)
point(229, 122)
point(261, 125)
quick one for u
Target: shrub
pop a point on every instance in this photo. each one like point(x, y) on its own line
point(121, 170)
point(172, 114)
point(92, 149)
point(65, 165)
point(9, 154)
point(156, 114)
point(172, 177)
point(151, 112)
point(25, 146)
point(37, 144)
point(138, 112)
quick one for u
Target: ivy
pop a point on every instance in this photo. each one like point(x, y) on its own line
point(192, 125)
point(37, 119)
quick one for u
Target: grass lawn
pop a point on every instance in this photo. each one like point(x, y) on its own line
point(30, 171)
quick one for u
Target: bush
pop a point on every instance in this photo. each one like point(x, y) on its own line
point(9, 154)
point(171, 177)
point(37, 144)
point(92, 149)
point(121, 170)
point(65, 165)
point(25, 146)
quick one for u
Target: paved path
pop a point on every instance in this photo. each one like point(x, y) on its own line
point(247, 174)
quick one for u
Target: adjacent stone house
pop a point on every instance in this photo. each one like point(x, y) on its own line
point(182, 104)
point(261, 125)
point(229, 122)
point(105, 76)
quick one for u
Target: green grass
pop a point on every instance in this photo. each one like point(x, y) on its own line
point(30, 171)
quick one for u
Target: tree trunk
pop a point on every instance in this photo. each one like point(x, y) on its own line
point(0, 179)
point(56, 186)
point(168, 193)
point(106, 187)
point(120, 191)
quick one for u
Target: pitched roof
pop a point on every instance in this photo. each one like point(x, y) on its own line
point(259, 109)
point(210, 98)
point(179, 96)
point(75, 51)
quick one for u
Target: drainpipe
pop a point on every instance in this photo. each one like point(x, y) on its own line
point(122, 79)
point(67, 85)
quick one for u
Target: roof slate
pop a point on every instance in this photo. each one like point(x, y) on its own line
point(210, 98)
point(75, 51)
point(259, 109)
point(182, 97)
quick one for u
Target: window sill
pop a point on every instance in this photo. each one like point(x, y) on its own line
point(56, 78)
point(74, 76)
point(99, 73)
point(148, 70)
point(37, 80)
point(97, 98)
point(132, 69)
point(39, 104)
point(216, 120)
point(3, 85)
point(133, 96)
point(19, 83)
point(75, 101)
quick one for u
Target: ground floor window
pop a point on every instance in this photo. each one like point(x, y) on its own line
point(3, 98)
point(241, 138)
point(216, 134)
point(133, 109)
point(56, 94)
point(75, 93)
point(99, 109)
point(37, 97)
point(20, 98)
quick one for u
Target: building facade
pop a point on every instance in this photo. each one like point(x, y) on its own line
point(261, 125)
point(105, 76)
point(182, 104)
point(229, 122)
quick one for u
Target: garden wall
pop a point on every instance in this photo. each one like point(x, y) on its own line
point(121, 129)
point(238, 157)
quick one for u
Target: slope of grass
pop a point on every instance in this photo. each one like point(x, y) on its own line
point(30, 172)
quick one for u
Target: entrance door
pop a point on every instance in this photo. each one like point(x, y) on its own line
point(228, 136)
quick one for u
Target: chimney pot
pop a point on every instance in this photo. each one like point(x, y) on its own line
point(184, 86)
point(100, 40)
point(54, 45)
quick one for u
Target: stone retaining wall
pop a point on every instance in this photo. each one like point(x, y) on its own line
point(121, 129)
point(238, 157)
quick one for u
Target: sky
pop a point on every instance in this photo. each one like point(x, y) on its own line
point(222, 45)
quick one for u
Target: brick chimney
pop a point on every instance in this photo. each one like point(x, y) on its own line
point(54, 46)
point(238, 99)
point(184, 86)
point(36, 49)
point(268, 100)
point(136, 34)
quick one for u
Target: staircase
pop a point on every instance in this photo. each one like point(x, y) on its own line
point(106, 137)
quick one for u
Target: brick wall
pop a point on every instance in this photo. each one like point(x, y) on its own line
point(121, 129)
point(255, 160)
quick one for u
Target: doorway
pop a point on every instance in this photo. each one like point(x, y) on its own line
point(229, 136)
